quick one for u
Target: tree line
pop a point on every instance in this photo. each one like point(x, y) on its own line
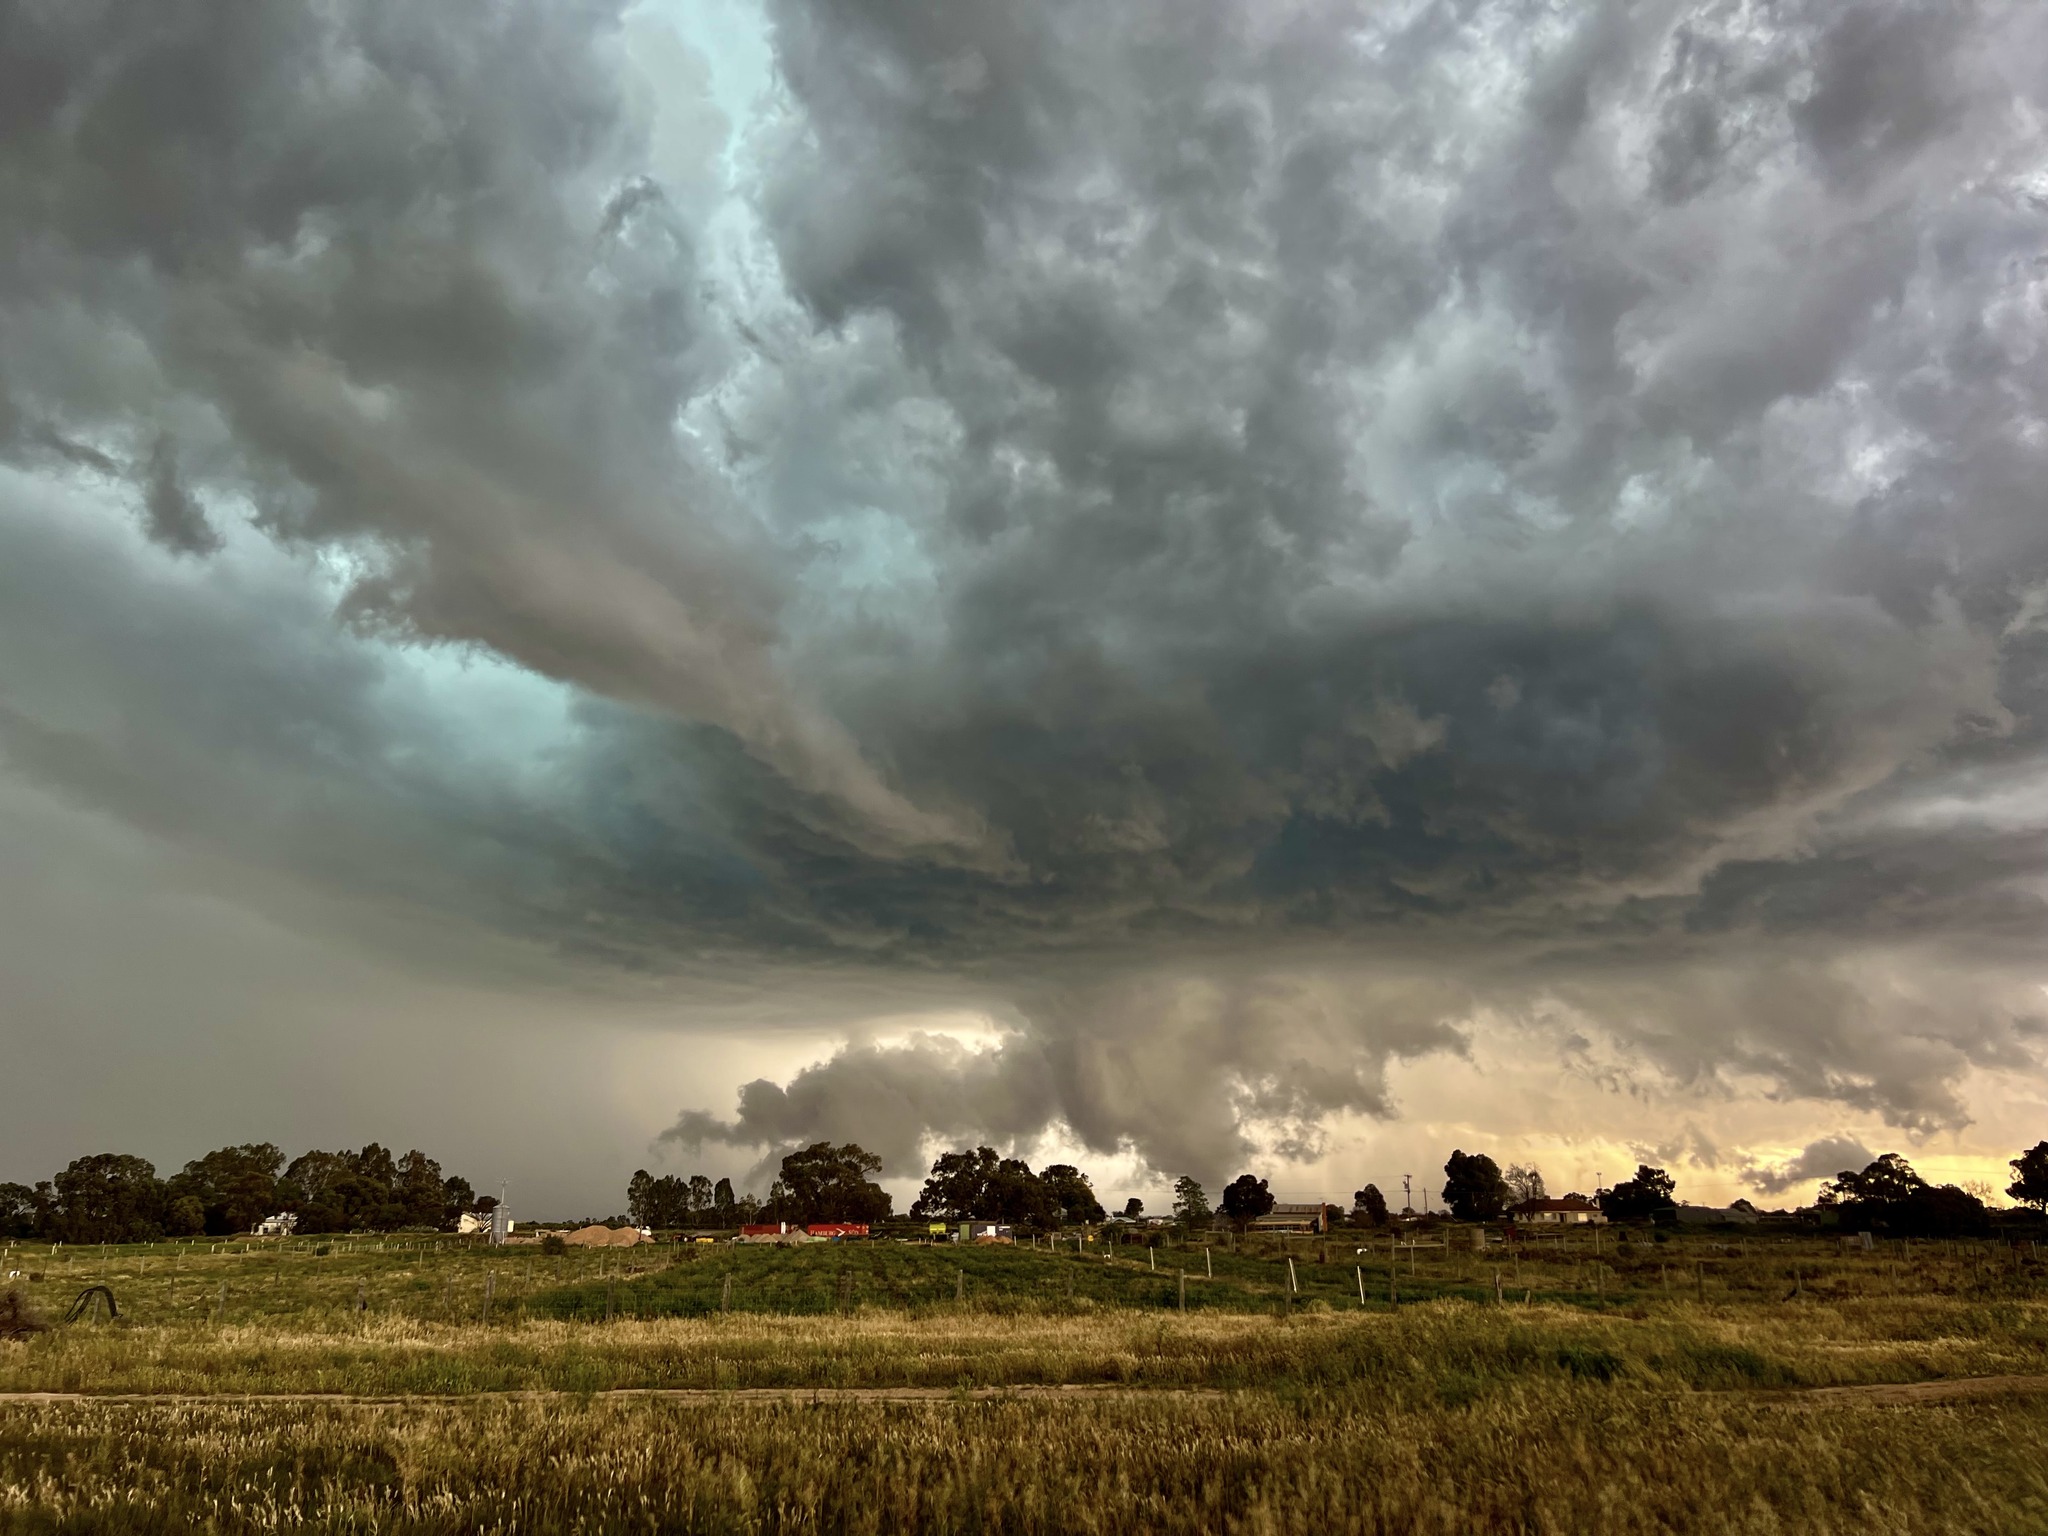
point(1887, 1195)
point(113, 1197)
point(823, 1182)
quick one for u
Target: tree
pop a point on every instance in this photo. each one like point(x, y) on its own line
point(235, 1187)
point(722, 1201)
point(957, 1185)
point(1370, 1203)
point(1072, 1196)
point(1640, 1198)
point(371, 1191)
point(1473, 1187)
point(109, 1198)
point(23, 1211)
point(2030, 1177)
point(978, 1183)
point(1245, 1200)
point(1133, 1208)
point(698, 1195)
point(1523, 1184)
point(1190, 1203)
point(827, 1183)
point(1889, 1195)
point(1889, 1180)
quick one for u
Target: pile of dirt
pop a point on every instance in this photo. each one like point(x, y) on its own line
point(603, 1237)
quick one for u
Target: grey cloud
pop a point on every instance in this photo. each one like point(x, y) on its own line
point(170, 515)
point(1231, 495)
point(1191, 1075)
point(1822, 1159)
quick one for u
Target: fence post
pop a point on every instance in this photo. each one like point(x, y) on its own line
point(490, 1291)
point(1183, 1290)
point(1208, 1268)
point(1361, 1285)
point(725, 1295)
point(1293, 1284)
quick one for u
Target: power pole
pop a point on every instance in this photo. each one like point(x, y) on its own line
point(1408, 1194)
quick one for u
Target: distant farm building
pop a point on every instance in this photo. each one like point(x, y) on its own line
point(282, 1225)
point(1570, 1211)
point(1296, 1218)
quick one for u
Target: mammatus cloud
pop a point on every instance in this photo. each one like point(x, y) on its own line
point(1246, 538)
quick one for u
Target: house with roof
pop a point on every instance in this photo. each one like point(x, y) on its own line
point(1567, 1211)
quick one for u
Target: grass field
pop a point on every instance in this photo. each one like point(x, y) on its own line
point(1646, 1388)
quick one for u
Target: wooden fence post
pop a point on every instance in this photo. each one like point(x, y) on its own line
point(1293, 1284)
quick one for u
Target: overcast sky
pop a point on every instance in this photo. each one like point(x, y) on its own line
point(1198, 585)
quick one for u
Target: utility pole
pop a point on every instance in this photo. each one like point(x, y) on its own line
point(1408, 1195)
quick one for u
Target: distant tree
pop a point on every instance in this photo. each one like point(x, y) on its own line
point(22, 1211)
point(722, 1198)
point(109, 1198)
point(1072, 1196)
point(235, 1187)
point(1133, 1208)
point(640, 1198)
point(2030, 1177)
point(827, 1183)
point(184, 1216)
point(1641, 1198)
point(422, 1194)
point(371, 1191)
point(1191, 1203)
point(1523, 1184)
point(1889, 1180)
point(1371, 1204)
point(1473, 1187)
point(698, 1195)
point(1245, 1200)
point(978, 1183)
point(1888, 1195)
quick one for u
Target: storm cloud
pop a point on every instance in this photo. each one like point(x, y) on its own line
point(1247, 542)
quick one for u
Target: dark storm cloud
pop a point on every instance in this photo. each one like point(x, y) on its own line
point(1821, 1159)
point(1237, 496)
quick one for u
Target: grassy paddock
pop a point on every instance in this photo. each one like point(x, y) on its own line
point(1640, 1390)
point(1558, 1457)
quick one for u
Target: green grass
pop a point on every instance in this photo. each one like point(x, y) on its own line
point(1633, 1390)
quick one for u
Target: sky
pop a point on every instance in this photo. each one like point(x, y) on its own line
point(1191, 586)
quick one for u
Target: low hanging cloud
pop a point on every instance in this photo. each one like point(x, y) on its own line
point(1823, 1159)
point(1242, 538)
point(1182, 1073)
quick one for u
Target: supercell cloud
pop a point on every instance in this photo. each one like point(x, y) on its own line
point(1254, 544)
